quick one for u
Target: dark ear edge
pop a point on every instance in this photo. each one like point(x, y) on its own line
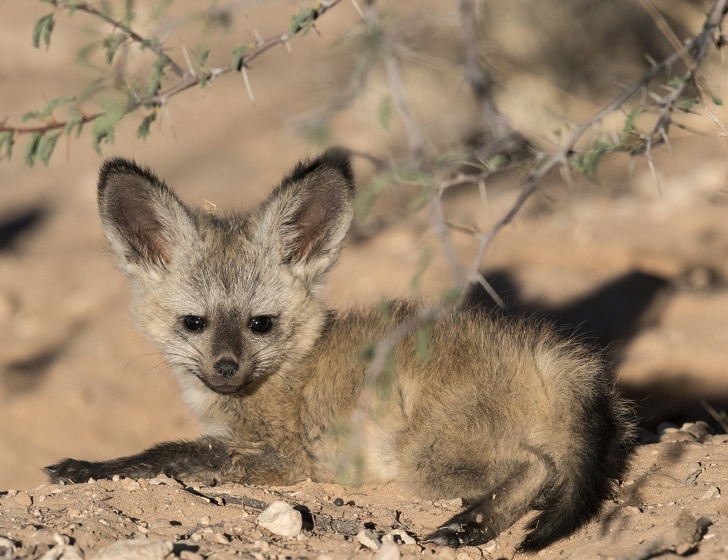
point(138, 211)
point(306, 217)
point(117, 165)
point(336, 158)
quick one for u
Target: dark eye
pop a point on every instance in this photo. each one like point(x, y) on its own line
point(261, 324)
point(194, 323)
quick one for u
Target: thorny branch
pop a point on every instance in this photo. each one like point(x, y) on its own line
point(697, 48)
point(146, 43)
point(187, 79)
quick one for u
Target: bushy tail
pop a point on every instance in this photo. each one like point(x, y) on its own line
point(585, 476)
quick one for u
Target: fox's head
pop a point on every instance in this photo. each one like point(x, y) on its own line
point(229, 300)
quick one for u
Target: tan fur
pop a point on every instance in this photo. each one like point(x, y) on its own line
point(500, 411)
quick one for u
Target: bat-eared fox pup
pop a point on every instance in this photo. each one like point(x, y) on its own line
point(499, 411)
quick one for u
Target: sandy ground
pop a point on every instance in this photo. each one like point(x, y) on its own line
point(640, 267)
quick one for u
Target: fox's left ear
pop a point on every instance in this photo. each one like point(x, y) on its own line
point(307, 216)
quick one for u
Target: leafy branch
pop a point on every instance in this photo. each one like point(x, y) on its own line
point(693, 53)
point(42, 138)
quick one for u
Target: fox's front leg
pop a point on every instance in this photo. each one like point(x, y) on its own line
point(205, 459)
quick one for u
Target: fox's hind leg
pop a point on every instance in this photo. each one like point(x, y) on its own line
point(507, 491)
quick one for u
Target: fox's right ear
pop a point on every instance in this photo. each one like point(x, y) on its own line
point(144, 220)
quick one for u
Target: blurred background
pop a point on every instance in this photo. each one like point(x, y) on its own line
point(635, 260)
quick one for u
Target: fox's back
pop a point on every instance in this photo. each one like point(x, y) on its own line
point(471, 381)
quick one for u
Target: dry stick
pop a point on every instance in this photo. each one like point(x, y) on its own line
point(498, 134)
point(414, 135)
point(186, 81)
point(396, 86)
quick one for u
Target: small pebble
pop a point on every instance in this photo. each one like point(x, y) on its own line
point(399, 536)
point(451, 505)
point(136, 549)
point(490, 546)
point(23, 499)
point(338, 502)
point(388, 550)
point(368, 539)
point(712, 492)
point(7, 545)
point(631, 510)
point(281, 519)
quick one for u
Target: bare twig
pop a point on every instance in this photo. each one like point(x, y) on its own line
point(396, 87)
point(498, 136)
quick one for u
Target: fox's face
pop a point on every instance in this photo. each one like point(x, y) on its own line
point(229, 300)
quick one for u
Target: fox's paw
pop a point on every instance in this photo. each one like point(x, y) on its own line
point(455, 534)
point(452, 535)
point(71, 470)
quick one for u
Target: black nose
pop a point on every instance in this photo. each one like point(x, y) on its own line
point(226, 367)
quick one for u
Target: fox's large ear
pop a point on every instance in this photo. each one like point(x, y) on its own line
point(143, 219)
point(307, 216)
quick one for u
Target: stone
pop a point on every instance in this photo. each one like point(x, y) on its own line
point(281, 519)
point(135, 549)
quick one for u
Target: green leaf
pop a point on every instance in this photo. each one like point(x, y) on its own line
point(587, 162)
point(422, 343)
point(75, 121)
point(496, 162)
point(31, 148)
point(365, 200)
point(202, 55)
point(629, 123)
point(129, 13)
point(385, 112)
point(451, 296)
point(72, 6)
point(103, 127)
point(47, 144)
point(366, 353)
point(238, 53)
point(143, 130)
point(45, 113)
point(302, 22)
point(112, 44)
point(42, 31)
point(155, 82)
point(677, 81)
point(7, 139)
point(424, 264)
point(686, 105)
